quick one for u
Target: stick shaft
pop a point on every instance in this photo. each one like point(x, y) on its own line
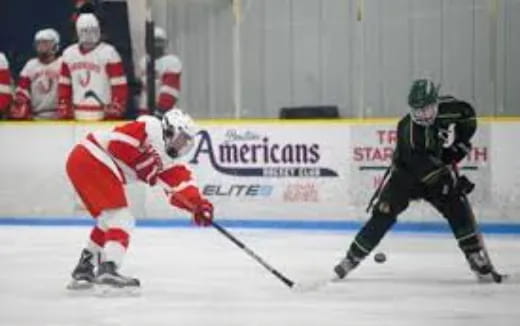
point(377, 192)
point(252, 254)
point(150, 62)
point(239, 244)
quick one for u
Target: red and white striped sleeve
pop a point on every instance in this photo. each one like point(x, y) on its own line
point(179, 185)
point(65, 92)
point(22, 97)
point(5, 84)
point(170, 83)
point(125, 142)
point(116, 75)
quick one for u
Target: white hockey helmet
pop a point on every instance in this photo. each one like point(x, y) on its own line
point(159, 33)
point(87, 28)
point(160, 40)
point(48, 34)
point(178, 133)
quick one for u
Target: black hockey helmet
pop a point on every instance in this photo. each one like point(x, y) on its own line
point(422, 99)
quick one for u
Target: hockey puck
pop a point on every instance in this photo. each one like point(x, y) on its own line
point(380, 257)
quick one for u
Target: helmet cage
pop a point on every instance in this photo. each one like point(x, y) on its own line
point(426, 115)
point(177, 140)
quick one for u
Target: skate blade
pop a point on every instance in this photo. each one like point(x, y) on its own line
point(493, 277)
point(110, 291)
point(76, 285)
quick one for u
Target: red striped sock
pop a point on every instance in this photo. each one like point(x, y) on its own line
point(117, 241)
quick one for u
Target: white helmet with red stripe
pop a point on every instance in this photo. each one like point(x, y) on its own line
point(178, 132)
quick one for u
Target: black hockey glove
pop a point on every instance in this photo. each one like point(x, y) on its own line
point(464, 186)
point(456, 152)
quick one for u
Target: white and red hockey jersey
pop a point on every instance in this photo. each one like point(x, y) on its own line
point(5, 84)
point(168, 71)
point(92, 84)
point(135, 152)
point(37, 92)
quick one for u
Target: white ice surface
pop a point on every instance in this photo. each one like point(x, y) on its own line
point(198, 277)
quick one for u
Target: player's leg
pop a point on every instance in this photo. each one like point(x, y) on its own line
point(119, 224)
point(457, 210)
point(393, 200)
point(99, 189)
point(83, 274)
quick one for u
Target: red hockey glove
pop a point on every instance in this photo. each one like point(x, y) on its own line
point(147, 167)
point(113, 110)
point(64, 110)
point(203, 213)
point(21, 108)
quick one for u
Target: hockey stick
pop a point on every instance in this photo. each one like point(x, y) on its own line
point(91, 93)
point(241, 245)
point(377, 192)
point(44, 111)
point(150, 62)
point(497, 277)
point(252, 254)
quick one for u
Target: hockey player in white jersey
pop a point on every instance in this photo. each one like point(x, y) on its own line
point(100, 166)
point(167, 76)
point(92, 82)
point(36, 96)
point(5, 86)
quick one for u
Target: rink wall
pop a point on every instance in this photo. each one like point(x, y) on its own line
point(262, 173)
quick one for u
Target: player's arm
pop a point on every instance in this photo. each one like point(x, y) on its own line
point(178, 184)
point(126, 144)
point(465, 128)
point(170, 84)
point(5, 82)
point(64, 109)
point(118, 84)
point(22, 98)
point(412, 155)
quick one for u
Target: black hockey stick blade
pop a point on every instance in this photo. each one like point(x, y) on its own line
point(91, 94)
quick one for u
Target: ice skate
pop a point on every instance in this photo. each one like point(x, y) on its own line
point(346, 265)
point(109, 281)
point(482, 267)
point(83, 273)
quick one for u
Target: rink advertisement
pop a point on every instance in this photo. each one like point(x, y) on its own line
point(272, 170)
point(371, 151)
point(259, 170)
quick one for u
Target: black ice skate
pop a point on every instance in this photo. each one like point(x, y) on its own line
point(482, 267)
point(108, 276)
point(346, 265)
point(83, 273)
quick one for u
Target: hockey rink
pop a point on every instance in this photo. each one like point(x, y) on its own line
point(198, 277)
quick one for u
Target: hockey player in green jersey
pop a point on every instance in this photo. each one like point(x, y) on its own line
point(432, 138)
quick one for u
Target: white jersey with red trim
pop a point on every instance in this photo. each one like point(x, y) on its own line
point(168, 69)
point(138, 146)
point(5, 83)
point(38, 87)
point(90, 80)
